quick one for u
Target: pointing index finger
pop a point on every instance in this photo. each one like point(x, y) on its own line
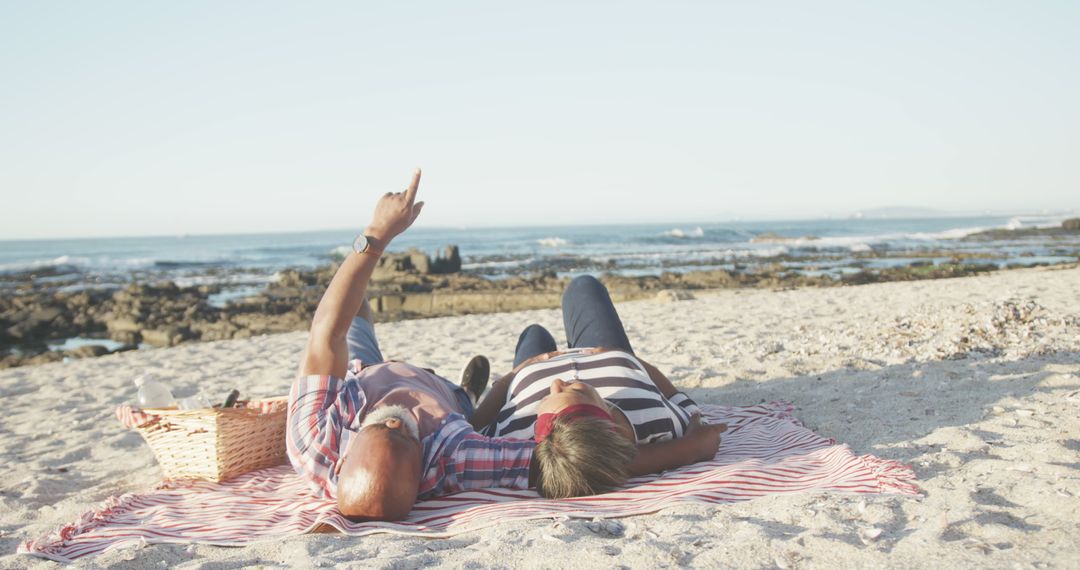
point(410, 193)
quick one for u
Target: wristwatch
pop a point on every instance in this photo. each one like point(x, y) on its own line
point(364, 244)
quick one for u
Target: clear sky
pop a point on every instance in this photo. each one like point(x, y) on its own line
point(134, 118)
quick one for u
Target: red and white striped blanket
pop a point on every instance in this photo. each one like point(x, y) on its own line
point(765, 451)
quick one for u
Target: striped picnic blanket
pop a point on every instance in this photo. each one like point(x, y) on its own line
point(765, 451)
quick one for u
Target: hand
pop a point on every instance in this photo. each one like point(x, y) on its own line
point(503, 383)
point(538, 358)
point(395, 212)
point(706, 436)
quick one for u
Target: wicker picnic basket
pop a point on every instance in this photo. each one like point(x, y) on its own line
point(213, 443)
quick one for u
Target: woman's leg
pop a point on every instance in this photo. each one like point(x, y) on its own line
point(590, 318)
point(534, 340)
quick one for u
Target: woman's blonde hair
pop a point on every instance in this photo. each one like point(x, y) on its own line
point(582, 456)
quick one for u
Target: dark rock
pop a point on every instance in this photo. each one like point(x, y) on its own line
point(295, 279)
point(416, 262)
point(392, 265)
point(126, 337)
point(169, 336)
point(129, 293)
point(88, 351)
point(1067, 228)
point(165, 289)
point(78, 301)
point(278, 293)
point(21, 331)
point(121, 326)
point(420, 261)
point(44, 358)
point(448, 262)
point(36, 324)
point(83, 321)
point(192, 311)
point(220, 330)
point(45, 315)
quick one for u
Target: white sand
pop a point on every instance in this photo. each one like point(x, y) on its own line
point(974, 381)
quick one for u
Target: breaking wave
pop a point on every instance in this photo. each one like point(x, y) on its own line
point(679, 233)
point(552, 242)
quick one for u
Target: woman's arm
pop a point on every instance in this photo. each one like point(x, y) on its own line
point(662, 383)
point(698, 444)
point(495, 398)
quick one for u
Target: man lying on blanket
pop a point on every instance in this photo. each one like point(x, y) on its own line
point(378, 436)
point(374, 435)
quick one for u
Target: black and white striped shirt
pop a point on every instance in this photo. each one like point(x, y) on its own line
point(617, 376)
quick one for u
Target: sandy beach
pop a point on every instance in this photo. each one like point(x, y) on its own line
point(975, 382)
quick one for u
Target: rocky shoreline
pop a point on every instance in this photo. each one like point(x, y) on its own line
point(1068, 228)
point(39, 307)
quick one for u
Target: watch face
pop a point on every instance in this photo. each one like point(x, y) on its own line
point(360, 243)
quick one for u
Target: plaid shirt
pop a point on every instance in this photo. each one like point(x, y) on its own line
point(326, 412)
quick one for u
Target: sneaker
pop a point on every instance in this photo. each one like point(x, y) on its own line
point(475, 375)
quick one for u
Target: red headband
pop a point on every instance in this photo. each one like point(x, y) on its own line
point(544, 422)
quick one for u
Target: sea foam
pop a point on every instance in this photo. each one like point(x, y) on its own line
point(61, 261)
point(953, 234)
point(679, 233)
point(552, 242)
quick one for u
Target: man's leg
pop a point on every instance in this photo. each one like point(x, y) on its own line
point(475, 376)
point(361, 337)
point(534, 340)
point(468, 408)
point(590, 318)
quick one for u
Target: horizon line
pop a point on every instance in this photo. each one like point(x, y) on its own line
point(874, 214)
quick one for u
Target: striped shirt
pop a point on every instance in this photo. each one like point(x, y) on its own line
point(617, 376)
point(326, 412)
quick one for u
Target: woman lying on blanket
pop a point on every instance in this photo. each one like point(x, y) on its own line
point(597, 411)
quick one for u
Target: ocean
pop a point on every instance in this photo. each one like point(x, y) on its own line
point(242, 264)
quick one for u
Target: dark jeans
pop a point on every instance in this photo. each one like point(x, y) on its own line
point(589, 318)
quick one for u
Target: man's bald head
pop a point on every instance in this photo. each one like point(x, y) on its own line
point(380, 473)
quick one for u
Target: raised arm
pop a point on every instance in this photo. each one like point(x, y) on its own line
point(327, 352)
